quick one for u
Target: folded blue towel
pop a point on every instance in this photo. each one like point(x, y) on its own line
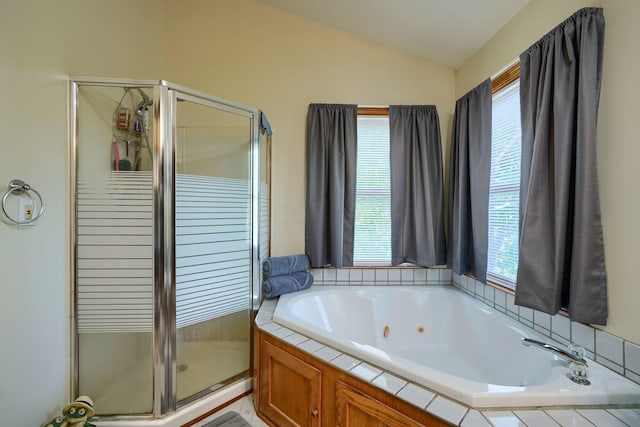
point(287, 283)
point(278, 266)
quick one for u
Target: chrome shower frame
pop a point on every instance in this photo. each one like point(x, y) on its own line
point(163, 108)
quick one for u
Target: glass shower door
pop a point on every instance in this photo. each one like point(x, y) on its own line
point(114, 248)
point(213, 250)
point(171, 218)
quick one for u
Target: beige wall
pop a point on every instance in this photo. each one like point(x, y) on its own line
point(618, 147)
point(41, 43)
point(259, 56)
point(239, 50)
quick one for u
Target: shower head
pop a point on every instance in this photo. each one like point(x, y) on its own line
point(146, 101)
point(141, 124)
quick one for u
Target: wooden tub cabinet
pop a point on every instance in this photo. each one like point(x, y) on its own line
point(294, 388)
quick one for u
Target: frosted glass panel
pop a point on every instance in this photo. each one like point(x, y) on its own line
point(114, 248)
point(213, 246)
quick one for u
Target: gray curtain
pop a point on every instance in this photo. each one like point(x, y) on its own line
point(561, 244)
point(417, 189)
point(469, 170)
point(331, 184)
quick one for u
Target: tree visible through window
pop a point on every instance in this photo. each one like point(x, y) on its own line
point(372, 240)
point(504, 187)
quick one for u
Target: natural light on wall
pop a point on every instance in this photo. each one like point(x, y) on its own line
point(504, 187)
point(372, 240)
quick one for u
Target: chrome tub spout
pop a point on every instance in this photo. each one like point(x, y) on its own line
point(577, 363)
point(569, 357)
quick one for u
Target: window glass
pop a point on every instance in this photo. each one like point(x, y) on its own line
point(372, 240)
point(504, 187)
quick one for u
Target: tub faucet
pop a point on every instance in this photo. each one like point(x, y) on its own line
point(577, 363)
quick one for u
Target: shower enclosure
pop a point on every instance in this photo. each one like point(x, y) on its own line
point(171, 222)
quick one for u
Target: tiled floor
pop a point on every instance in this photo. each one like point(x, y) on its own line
point(243, 407)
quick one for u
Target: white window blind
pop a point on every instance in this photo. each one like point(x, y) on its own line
point(504, 187)
point(372, 240)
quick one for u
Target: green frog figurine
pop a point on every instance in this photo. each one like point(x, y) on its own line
point(78, 412)
point(57, 422)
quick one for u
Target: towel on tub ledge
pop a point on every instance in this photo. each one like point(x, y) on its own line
point(287, 283)
point(279, 266)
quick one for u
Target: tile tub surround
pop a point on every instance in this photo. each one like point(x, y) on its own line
point(438, 405)
point(619, 355)
point(613, 352)
point(381, 276)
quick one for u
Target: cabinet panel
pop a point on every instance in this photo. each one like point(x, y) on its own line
point(296, 389)
point(289, 388)
point(355, 409)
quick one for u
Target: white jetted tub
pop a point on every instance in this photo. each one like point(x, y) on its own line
point(449, 342)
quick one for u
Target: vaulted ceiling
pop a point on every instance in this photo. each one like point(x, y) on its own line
point(446, 32)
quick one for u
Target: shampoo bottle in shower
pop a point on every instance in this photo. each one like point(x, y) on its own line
point(122, 120)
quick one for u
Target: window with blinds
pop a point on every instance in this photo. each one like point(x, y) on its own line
point(372, 239)
point(504, 187)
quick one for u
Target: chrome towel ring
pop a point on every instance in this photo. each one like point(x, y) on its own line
point(17, 187)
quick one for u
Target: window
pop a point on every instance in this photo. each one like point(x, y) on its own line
point(372, 234)
point(504, 186)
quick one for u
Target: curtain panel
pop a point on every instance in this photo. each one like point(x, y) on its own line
point(417, 187)
point(469, 173)
point(561, 244)
point(331, 184)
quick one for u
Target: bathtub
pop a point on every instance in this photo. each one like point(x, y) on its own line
point(445, 340)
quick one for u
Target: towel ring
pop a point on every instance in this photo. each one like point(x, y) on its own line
point(16, 187)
